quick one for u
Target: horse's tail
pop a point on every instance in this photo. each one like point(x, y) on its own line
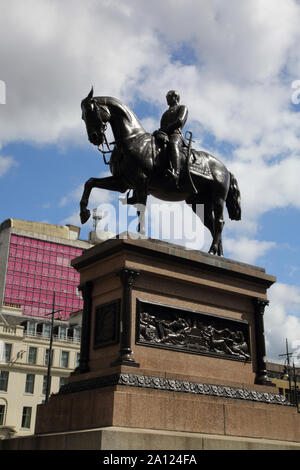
point(233, 201)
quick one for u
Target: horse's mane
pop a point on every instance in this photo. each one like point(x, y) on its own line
point(116, 103)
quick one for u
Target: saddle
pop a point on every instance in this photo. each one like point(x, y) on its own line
point(196, 162)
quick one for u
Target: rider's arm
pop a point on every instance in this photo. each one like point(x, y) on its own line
point(180, 121)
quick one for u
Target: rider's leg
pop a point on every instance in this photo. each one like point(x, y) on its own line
point(175, 157)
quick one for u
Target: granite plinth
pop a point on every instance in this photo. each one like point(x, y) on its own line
point(155, 376)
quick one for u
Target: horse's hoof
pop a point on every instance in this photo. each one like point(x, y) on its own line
point(123, 200)
point(84, 216)
point(132, 200)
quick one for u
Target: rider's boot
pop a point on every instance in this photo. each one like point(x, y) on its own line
point(176, 179)
point(175, 163)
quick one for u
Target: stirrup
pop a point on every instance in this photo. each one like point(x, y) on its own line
point(174, 175)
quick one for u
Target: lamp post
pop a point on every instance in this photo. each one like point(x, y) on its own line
point(50, 349)
point(287, 367)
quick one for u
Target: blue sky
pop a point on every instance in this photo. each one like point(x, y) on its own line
point(234, 64)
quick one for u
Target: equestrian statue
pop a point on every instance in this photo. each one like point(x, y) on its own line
point(162, 164)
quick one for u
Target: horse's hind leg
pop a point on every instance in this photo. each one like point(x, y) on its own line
point(209, 220)
point(208, 214)
point(216, 246)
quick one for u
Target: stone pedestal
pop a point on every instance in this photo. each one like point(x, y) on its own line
point(172, 341)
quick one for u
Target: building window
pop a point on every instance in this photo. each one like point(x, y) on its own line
point(7, 352)
point(29, 384)
point(46, 330)
point(63, 381)
point(32, 355)
point(2, 412)
point(77, 359)
point(3, 380)
point(64, 360)
point(31, 328)
point(76, 336)
point(62, 333)
point(26, 417)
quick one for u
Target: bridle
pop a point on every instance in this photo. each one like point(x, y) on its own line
point(103, 127)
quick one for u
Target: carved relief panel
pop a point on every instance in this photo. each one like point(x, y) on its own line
point(193, 332)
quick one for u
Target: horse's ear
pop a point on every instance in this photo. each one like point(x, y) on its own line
point(90, 95)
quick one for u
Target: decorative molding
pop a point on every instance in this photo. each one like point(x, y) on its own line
point(192, 332)
point(260, 305)
point(172, 385)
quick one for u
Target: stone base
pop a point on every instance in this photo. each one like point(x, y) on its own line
point(120, 438)
point(188, 407)
point(146, 381)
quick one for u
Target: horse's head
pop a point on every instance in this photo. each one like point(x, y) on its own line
point(95, 117)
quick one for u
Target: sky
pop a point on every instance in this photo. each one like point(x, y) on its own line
point(236, 65)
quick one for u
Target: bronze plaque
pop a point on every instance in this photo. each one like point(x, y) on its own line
point(193, 332)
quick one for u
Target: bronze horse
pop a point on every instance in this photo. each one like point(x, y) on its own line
point(139, 161)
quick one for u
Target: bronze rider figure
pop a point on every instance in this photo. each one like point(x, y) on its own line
point(172, 122)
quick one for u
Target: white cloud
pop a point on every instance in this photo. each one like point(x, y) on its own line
point(282, 321)
point(233, 89)
point(51, 58)
point(247, 250)
point(74, 219)
point(265, 186)
point(5, 164)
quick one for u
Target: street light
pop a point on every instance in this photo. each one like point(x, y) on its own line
point(50, 349)
point(287, 374)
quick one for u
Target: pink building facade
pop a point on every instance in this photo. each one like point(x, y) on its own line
point(34, 265)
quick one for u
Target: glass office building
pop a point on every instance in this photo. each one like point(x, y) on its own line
point(35, 262)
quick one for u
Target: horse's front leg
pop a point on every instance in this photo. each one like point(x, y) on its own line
point(141, 210)
point(84, 212)
point(111, 183)
point(141, 194)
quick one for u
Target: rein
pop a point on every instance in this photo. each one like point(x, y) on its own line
point(103, 129)
point(105, 152)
